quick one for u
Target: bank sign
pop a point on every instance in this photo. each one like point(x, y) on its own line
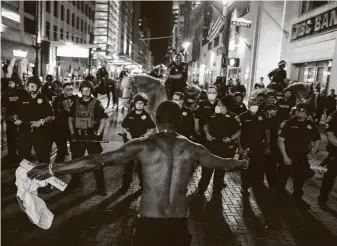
point(324, 22)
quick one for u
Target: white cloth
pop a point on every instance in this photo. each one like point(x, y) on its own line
point(30, 203)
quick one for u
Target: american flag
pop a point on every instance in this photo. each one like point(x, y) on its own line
point(215, 26)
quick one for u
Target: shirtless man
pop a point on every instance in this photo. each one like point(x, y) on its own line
point(168, 161)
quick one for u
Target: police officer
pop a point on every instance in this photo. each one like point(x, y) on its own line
point(86, 124)
point(187, 124)
point(240, 87)
point(34, 115)
point(330, 175)
point(261, 100)
point(254, 136)
point(278, 76)
point(222, 131)
point(56, 90)
point(178, 75)
point(48, 87)
point(137, 123)
point(273, 121)
point(285, 104)
point(239, 106)
point(331, 102)
point(9, 103)
point(295, 138)
point(102, 72)
point(204, 110)
point(61, 134)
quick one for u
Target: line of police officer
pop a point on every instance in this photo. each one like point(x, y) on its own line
point(41, 115)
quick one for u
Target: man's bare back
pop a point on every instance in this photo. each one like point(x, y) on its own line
point(168, 161)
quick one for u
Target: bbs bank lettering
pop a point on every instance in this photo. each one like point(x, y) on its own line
point(318, 24)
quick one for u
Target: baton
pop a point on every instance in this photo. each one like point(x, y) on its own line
point(91, 141)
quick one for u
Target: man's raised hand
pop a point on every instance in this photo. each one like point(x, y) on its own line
point(40, 172)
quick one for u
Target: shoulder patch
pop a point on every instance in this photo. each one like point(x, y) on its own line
point(260, 118)
point(309, 127)
point(329, 119)
point(282, 124)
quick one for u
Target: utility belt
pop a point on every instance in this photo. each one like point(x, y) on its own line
point(84, 132)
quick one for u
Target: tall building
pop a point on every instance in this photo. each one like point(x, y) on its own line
point(106, 33)
point(18, 22)
point(141, 46)
point(125, 27)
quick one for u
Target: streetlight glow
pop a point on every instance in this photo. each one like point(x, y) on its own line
point(186, 45)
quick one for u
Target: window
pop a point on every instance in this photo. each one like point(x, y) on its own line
point(48, 6)
point(78, 23)
point(89, 29)
point(47, 29)
point(92, 14)
point(85, 27)
point(78, 5)
point(210, 45)
point(73, 20)
point(81, 25)
point(55, 8)
point(83, 8)
point(89, 14)
point(67, 35)
point(30, 7)
point(29, 26)
point(72, 38)
point(68, 16)
point(73, 3)
point(55, 33)
point(309, 5)
point(62, 12)
point(61, 34)
point(77, 40)
point(216, 41)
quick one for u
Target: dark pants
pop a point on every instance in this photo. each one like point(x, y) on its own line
point(270, 168)
point(253, 176)
point(114, 95)
point(222, 150)
point(39, 139)
point(78, 150)
point(329, 178)
point(318, 114)
point(161, 232)
point(300, 170)
point(60, 136)
point(12, 139)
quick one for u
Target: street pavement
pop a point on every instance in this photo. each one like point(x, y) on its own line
point(83, 218)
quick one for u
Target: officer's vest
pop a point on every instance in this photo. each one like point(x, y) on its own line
point(84, 117)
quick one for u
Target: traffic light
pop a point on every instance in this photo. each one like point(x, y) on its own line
point(234, 62)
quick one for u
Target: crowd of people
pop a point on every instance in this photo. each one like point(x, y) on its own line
point(276, 135)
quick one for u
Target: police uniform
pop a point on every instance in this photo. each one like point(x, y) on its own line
point(34, 109)
point(187, 124)
point(137, 125)
point(239, 108)
point(220, 126)
point(298, 136)
point(61, 133)
point(10, 101)
point(47, 91)
point(330, 175)
point(202, 113)
point(278, 75)
point(178, 84)
point(253, 134)
point(285, 106)
point(272, 123)
point(87, 117)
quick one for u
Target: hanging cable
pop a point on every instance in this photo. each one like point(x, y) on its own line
point(156, 38)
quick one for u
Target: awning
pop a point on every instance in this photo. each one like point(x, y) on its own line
point(7, 48)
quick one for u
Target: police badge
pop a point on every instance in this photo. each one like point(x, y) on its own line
point(184, 113)
point(39, 101)
point(143, 117)
point(309, 127)
point(260, 118)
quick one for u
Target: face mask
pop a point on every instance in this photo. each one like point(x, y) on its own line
point(217, 110)
point(254, 109)
point(211, 97)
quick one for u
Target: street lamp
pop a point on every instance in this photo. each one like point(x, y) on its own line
point(186, 45)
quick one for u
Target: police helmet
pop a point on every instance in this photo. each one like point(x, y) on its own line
point(87, 84)
point(286, 90)
point(236, 94)
point(261, 94)
point(34, 80)
point(271, 94)
point(49, 77)
point(140, 97)
point(282, 63)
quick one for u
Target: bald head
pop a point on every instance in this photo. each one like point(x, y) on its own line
point(168, 114)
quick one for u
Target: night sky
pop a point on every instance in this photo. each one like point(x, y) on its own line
point(158, 14)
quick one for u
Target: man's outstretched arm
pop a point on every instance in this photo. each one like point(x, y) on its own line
point(208, 160)
point(123, 155)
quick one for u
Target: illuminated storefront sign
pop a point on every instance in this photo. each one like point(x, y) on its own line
point(20, 53)
point(318, 24)
point(72, 51)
